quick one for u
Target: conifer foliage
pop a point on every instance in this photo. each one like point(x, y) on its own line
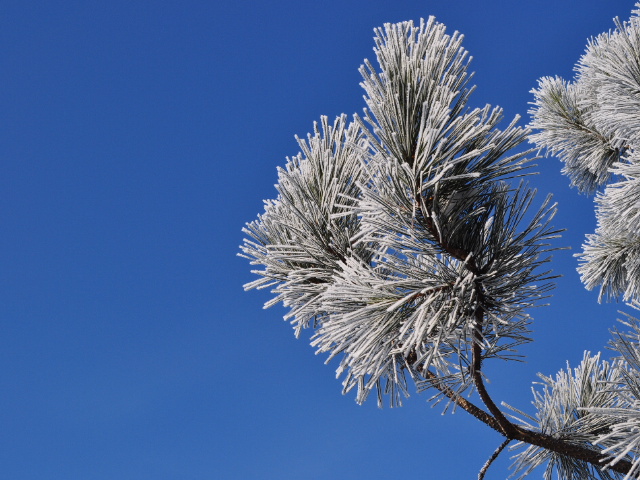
point(593, 125)
point(410, 242)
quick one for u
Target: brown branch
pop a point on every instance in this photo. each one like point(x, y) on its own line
point(538, 439)
point(508, 429)
point(462, 402)
point(514, 432)
point(505, 426)
point(575, 451)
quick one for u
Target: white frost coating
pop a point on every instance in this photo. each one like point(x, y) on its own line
point(562, 406)
point(593, 125)
point(402, 240)
point(392, 234)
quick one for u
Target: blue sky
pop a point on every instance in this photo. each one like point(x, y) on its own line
point(137, 139)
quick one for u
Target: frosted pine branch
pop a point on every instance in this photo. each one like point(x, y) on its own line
point(411, 244)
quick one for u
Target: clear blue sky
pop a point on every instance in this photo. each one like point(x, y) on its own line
point(137, 139)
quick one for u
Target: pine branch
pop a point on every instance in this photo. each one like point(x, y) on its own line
point(401, 242)
point(462, 402)
point(585, 454)
point(548, 442)
point(506, 427)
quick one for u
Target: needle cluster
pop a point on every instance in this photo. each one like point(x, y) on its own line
point(402, 237)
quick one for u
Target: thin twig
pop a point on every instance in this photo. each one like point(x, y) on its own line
point(488, 463)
